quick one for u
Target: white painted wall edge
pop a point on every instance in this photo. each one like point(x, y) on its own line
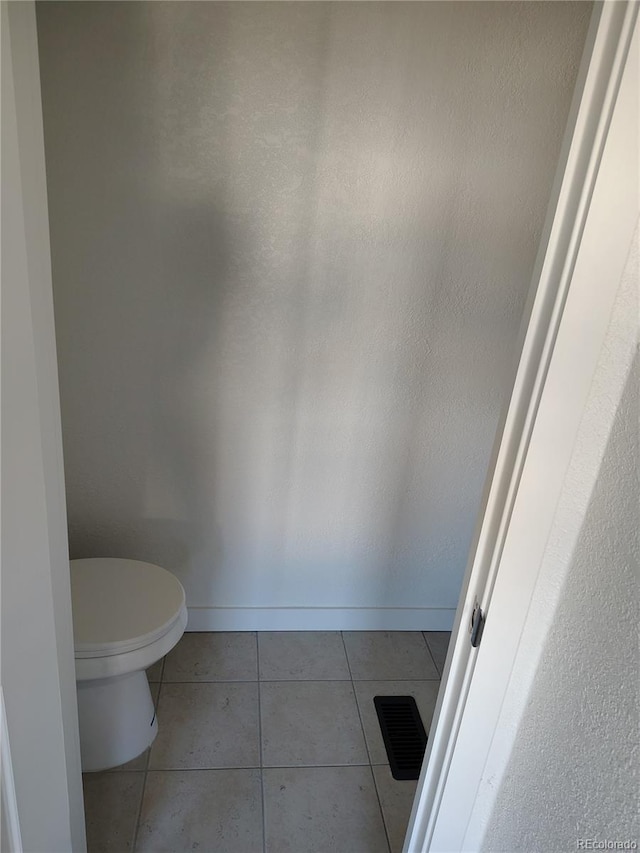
point(11, 836)
point(30, 204)
point(596, 91)
point(320, 619)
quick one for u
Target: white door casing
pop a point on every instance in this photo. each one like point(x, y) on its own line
point(592, 216)
point(37, 657)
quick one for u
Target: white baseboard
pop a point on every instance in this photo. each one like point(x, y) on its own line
point(320, 619)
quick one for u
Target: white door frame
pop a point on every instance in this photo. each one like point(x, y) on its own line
point(592, 216)
point(42, 804)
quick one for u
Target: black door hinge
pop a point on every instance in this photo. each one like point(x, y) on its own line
point(477, 625)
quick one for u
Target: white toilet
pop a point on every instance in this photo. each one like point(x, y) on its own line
point(126, 616)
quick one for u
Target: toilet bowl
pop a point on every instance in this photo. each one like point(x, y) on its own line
point(126, 616)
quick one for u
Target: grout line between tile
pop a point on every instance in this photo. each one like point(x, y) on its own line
point(391, 680)
point(255, 767)
point(373, 778)
point(355, 696)
point(293, 680)
point(264, 822)
point(433, 660)
point(139, 813)
point(314, 766)
point(146, 764)
point(382, 815)
point(200, 769)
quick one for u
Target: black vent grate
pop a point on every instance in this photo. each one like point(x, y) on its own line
point(403, 733)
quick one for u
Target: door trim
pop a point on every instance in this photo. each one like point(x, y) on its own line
point(35, 565)
point(463, 700)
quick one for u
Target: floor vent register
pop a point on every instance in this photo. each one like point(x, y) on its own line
point(403, 733)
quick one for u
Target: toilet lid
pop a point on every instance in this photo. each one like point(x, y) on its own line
point(121, 605)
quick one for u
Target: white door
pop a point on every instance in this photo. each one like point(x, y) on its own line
point(592, 216)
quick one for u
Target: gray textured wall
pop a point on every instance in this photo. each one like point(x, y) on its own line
point(291, 246)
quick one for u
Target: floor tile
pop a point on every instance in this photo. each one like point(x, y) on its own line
point(388, 654)
point(154, 673)
point(310, 723)
point(303, 655)
point(213, 657)
point(205, 726)
point(322, 810)
point(438, 642)
point(424, 692)
point(206, 810)
point(396, 799)
point(111, 803)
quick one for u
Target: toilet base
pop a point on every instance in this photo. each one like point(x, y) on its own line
point(117, 720)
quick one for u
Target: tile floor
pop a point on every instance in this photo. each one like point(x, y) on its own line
point(269, 743)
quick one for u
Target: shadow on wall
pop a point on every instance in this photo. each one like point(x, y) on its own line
point(155, 492)
point(291, 245)
point(209, 373)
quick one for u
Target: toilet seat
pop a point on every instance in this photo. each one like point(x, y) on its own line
point(126, 615)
